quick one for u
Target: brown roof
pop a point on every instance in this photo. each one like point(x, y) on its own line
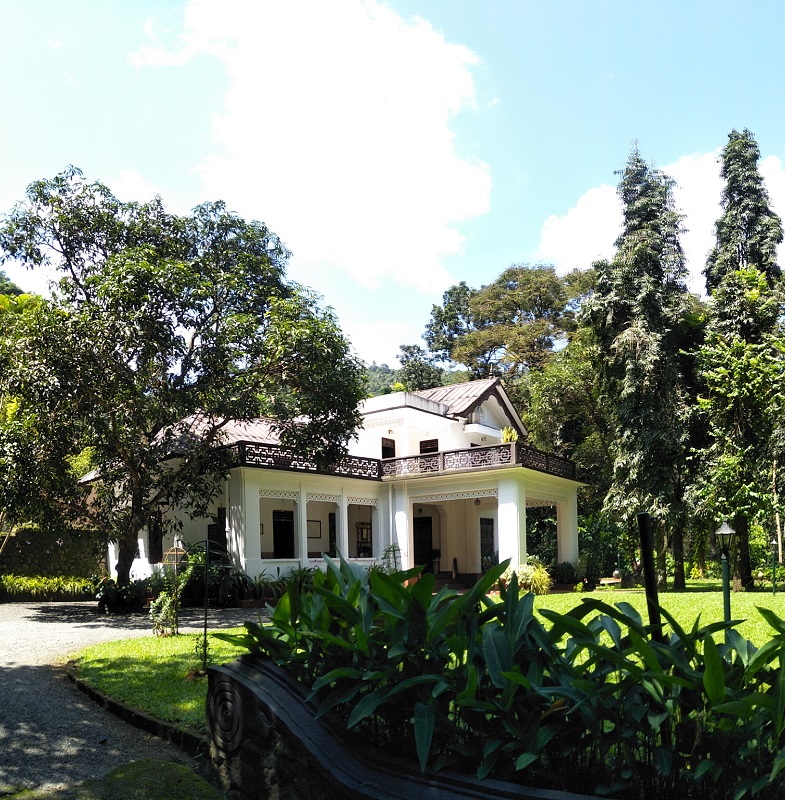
point(461, 398)
point(193, 428)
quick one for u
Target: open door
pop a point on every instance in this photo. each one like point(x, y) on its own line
point(283, 534)
point(423, 543)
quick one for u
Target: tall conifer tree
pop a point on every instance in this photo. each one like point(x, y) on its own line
point(635, 316)
point(740, 359)
point(748, 231)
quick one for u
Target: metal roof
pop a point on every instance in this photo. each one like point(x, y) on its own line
point(461, 398)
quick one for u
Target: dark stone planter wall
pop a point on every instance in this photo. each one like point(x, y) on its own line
point(266, 745)
point(34, 551)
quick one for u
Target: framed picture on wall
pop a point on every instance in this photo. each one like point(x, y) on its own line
point(314, 529)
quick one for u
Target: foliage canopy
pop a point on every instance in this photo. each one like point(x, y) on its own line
point(161, 330)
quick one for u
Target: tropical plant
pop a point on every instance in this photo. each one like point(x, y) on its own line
point(120, 598)
point(486, 686)
point(165, 607)
point(235, 586)
point(268, 587)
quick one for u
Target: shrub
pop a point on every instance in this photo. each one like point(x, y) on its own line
point(165, 607)
point(564, 573)
point(18, 587)
point(113, 598)
point(533, 576)
point(464, 681)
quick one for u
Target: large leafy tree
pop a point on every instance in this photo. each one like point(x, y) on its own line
point(506, 329)
point(7, 286)
point(418, 370)
point(161, 330)
point(741, 358)
point(634, 315)
point(564, 413)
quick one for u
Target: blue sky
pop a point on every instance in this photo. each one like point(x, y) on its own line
point(396, 147)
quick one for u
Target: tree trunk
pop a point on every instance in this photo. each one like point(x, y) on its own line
point(127, 548)
point(677, 543)
point(742, 569)
point(662, 558)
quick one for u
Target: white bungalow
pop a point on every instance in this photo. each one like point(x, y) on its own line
point(428, 472)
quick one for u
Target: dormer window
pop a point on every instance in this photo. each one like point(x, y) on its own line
point(429, 446)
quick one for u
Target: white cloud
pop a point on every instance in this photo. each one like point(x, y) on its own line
point(335, 132)
point(131, 185)
point(697, 196)
point(585, 233)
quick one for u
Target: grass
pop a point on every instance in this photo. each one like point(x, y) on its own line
point(155, 674)
point(702, 599)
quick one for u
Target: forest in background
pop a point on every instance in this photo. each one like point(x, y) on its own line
point(668, 402)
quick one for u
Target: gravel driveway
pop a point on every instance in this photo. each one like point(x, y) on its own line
point(51, 734)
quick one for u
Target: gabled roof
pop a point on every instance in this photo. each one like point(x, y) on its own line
point(463, 398)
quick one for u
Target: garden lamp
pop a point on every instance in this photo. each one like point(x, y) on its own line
point(724, 536)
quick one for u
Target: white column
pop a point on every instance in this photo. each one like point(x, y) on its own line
point(242, 514)
point(251, 544)
point(235, 514)
point(342, 526)
point(301, 530)
point(567, 530)
point(512, 520)
point(402, 525)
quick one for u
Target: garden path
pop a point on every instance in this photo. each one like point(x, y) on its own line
point(52, 735)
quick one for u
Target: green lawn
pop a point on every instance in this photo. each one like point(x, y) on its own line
point(156, 674)
point(703, 598)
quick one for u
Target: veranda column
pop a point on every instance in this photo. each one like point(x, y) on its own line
point(512, 520)
point(301, 533)
point(567, 530)
point(342, 527)
point(402, 532)
point(243, 516)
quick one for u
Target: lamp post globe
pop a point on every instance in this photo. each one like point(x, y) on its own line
point(724, 535)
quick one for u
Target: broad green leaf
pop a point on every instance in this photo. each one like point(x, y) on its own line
point(496, 650)
point(774, 620)
point(713, 673)
point(524, 760)
point(424, 722)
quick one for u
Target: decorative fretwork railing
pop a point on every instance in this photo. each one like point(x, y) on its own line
point(268, 456)
point(271, 456)
point(499, 455)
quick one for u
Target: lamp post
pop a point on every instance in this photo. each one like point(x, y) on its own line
point(724, 536)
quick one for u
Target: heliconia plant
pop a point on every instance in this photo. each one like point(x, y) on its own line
point(486, 684)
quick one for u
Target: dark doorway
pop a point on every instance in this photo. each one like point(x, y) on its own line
point(488, 555)
point(423, 543)
point(283, 534)
point(216, 533)
point(332, 529)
